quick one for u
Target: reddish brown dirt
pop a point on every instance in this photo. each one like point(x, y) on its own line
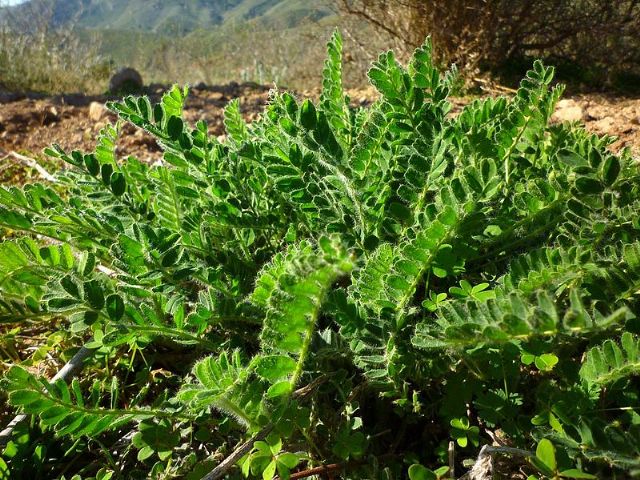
point(29, 124)
point(609, 115)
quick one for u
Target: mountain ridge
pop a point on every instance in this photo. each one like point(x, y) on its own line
point(177, 17)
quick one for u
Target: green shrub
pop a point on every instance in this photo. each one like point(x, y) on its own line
point(354, 287)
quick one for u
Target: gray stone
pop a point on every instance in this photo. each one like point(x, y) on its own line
point(126, 80)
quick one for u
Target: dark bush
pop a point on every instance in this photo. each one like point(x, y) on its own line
point(596, 37)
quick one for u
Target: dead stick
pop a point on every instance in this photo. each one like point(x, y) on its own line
point(33, 164)
point(452, 460)
point(328, 469)
point(71, 368)
point(228, 463)
point(318, 470)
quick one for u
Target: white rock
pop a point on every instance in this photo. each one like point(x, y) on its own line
point(568, 111)
point(604, 125)
point(125, 80)
point(97, 111)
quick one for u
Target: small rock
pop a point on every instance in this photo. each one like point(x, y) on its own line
point(97, 111)
point(126, 80)
point(568, 111)
point(216, 96)
point(49, 115)
point(604, 125)
point(632, 114)
point(596, 112)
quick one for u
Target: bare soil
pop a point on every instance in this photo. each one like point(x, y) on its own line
point(30, 123)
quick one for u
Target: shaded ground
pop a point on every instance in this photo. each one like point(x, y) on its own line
point(29, 124)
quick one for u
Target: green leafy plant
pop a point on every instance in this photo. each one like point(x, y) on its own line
point(545, 461)
point(419, 472)
point(333, 288)
point(267, 458)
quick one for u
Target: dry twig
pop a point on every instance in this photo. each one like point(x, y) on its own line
point(71, 368)
point(227, 464)
point(30, 162)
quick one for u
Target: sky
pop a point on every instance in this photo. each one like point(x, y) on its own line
point(11, 2)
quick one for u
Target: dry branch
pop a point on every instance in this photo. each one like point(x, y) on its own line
point(30, 162)
point(227, 464)
point(68, 371)
point(481, 34)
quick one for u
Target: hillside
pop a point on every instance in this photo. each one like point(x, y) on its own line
point(182, 16)
point(190, 41)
